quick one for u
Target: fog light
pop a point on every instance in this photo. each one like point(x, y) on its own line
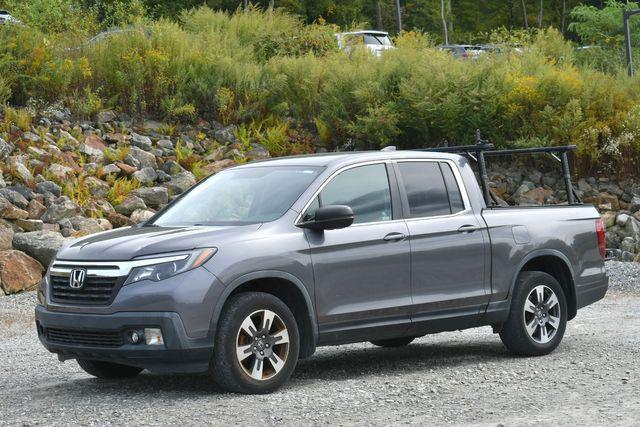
point(153, 336)
point(134, 337)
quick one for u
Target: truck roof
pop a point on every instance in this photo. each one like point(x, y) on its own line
point(340, 158)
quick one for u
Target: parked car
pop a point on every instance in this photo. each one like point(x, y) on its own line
point(5, 17)
point(375, 41)
point(465, 51)
point(256, 266)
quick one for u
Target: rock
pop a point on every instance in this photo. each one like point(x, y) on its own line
point(106, 116)
point(538, 196)
point(14, 197)
point(215, 167)
point(5, 149)
point(18, 272)
point(36, 209)
point(549, 180)
point(216, 155)
point(141, 215)
point(84, 226)
point(634, 204)
point(628, 244)
point(609, 218)
point(632, 228)
point(226, 134)
point(141, 141)
point(180, 182)
point(9, 211)
point(60, 209)
point(93, 146)
point(173, 168)
point(119, 220)
point(111, 168)
point(165, 144)
point(41, 245)
point(51, 187)
point(622, 219)
point(97, 187)
point(26, 192)
point(104, 224)
point(626, 256)
point(30, 137)
point(604, 202)
point(60, 172)
point(234, 154)
point(29, 224)
point(141, 159)
point(145, 176)
point(130, 204)
point(6, 237)
point(162, 176)
point(22, 171)
point(152, 196)
point(125, 168)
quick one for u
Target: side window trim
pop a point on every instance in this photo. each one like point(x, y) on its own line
point(403, 195)
point(391, 178)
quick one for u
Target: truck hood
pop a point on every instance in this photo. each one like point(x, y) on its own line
point(127, 243)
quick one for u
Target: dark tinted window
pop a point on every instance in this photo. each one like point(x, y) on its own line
point(455, 198)
point(365, 189)
point(425, 188)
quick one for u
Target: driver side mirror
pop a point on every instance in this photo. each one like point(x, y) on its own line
point(330, 217)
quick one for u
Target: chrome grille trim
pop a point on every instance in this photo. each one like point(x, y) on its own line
point(108, 268)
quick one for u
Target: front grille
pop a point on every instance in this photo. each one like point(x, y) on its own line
point(90, 339)
point(96, 290)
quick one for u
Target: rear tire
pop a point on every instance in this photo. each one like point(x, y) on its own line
point(257, 344)
point(393, 342)
point(538, 315)
point(108, 370)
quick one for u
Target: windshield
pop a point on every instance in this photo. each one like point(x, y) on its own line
point(377, 39)
point(241, 196)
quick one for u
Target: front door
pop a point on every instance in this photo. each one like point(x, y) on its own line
point(362, 272)
point(448, 245)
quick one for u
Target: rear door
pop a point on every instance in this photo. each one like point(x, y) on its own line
point(362, 272)
point(448, 243)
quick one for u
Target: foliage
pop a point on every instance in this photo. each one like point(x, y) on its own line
point(120, 189)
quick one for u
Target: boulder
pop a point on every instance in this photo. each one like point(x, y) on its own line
point(226, 134)
point(152, 196)
point(119, 220)
point(180, 183)
point(29, 224)
point(9, 211)
point(14, 197)
point(60, 172)
point(62, 208)
point(41, 245)
point(141, 141)
point(51, 187)
point(634, 204)
point(106, 116)
point(628, 244)
point(145, 176)
point(141, 215)
point(130, 204)
point(609, 218)
point(215, 167)
point(173, 168)
point(84, 226)
point(97, 187)
point(622, 219)
point(18, 272)
point(140, 159)
point(538, 196)
point(111, 168)
point(104, 224)
point(23, 172)
point(125, 168)
point(36, 209)
point(5, 149)
point(6, 238)
point(93, 146)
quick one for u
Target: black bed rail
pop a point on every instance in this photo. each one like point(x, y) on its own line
point(483, 148)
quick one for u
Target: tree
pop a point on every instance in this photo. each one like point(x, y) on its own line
point(445, 32)
point(524, 13)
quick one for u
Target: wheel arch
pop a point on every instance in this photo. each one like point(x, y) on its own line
point(556, 264)
point(284, 286)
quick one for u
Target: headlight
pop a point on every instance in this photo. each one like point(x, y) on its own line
point(164, 270)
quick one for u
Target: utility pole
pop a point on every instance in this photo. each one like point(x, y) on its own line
point(626, 14)
point(399, 16)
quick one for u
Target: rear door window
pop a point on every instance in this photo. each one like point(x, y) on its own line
point(431, 189)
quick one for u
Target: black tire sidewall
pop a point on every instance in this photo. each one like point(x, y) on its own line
point(226, 368)
point(514, 333)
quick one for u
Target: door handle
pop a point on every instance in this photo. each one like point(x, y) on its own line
point(394, 237)
point(468, 229)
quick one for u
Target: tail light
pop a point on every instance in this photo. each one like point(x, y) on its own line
point(602, 241)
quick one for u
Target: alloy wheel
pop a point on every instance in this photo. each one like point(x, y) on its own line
point(262, 345)
point(541, 314)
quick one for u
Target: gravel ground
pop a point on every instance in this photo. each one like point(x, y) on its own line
point(466, 377)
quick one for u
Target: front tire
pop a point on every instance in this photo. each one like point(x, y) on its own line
point(108, 370)
point(538, 315)
point(257, 344)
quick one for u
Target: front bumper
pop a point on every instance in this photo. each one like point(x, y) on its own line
point(180, 353)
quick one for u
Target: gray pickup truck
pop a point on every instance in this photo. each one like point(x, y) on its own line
point(256, 266)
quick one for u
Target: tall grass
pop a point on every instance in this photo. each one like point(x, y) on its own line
point(283, 81)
